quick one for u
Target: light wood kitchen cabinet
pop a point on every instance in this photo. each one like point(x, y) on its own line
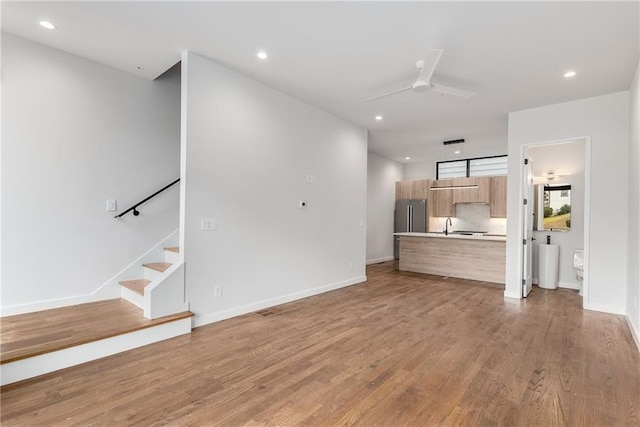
point(475, 259)
point(441, 201)
point(472, 195)
point(403, 190)
point(418, 189)
point(498, 199)
point(491, 190)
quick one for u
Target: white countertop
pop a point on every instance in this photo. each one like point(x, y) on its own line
point(495, 237)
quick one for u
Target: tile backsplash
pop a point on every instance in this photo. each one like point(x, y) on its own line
point(471, 216)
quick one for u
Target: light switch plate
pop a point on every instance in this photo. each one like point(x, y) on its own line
point(111, 205)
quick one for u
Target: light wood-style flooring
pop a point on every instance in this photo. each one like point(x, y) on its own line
point(401, 349)
point(32, 334)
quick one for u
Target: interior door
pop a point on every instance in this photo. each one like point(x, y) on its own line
point(527, 232)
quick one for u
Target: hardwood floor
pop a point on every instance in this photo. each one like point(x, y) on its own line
point(32, 334)
point(401, 349)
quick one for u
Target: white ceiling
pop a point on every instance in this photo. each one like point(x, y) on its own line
point(560, 158)
point(334, 54)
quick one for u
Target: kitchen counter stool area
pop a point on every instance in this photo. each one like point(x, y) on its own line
point(472, 257)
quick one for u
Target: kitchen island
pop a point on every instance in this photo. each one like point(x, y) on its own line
point(475, 257)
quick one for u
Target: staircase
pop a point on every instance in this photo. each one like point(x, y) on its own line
point(160, 291)
point(152, 308)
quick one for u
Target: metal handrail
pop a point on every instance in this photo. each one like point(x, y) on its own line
point(133, 208)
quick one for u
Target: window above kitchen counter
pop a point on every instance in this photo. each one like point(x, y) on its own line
point(478, 166)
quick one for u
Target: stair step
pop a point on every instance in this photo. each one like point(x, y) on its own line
point(175, 249)
point(158, 266)
point(32, 334)
point(136, 285)
point(36, 343)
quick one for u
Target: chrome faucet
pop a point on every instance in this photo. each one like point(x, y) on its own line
point(447, 223)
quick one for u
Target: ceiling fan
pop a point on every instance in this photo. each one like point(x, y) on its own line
point(427, 66)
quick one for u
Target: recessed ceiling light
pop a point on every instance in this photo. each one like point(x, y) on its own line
point(570, 74)
point(407, 158)
point(262, 54)
point(48, 25)
point(456, 152)
point(378, 118)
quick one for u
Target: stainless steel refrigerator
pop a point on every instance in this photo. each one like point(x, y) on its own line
point(410, 217)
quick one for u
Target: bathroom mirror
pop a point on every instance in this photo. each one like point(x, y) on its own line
point(552, 207)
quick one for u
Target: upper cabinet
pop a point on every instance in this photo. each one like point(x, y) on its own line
point(478, 191)
point(403, 190)
point(418, 189)
point(491, 190)
point(498, 193)
point(441, 198)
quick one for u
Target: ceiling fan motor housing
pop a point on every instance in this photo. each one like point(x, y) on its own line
point(420, 86)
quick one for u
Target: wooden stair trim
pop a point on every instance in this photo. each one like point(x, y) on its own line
point(136, 285)
point(19, 354)
point(175, 249)
point(158, 266)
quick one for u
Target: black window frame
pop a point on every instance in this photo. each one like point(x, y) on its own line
point(468, 172)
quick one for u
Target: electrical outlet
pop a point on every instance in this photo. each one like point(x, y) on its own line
point(111, 205)
point(361, 222)
point(351, 265)
point(207, 224)
point(217, 291)
point(309, 179)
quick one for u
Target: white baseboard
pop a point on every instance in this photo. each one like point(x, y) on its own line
point(634, 333)
point(99, 295)
point(49, 362)
point(605, 308)
point(512, 295)
point(377, 260)
point(569, 285)
point(205, 319)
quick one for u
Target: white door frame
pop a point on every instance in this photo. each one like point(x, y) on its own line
point(527, 225)
point(524, 153)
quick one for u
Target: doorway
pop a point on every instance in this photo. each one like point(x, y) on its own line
point(560, 217)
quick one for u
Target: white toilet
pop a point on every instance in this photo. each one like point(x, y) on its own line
point(578, 265)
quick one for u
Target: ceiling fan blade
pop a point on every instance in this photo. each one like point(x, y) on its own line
point(387, 94)
point(447, 90)
point(430, 63)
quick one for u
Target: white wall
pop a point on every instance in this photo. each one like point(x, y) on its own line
point(75, 133)
point(470, 149)
point(248, 151)
point(633, 229)
point(382, 175)
point(605, 119)
point(568, 158)
point(420, 170)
